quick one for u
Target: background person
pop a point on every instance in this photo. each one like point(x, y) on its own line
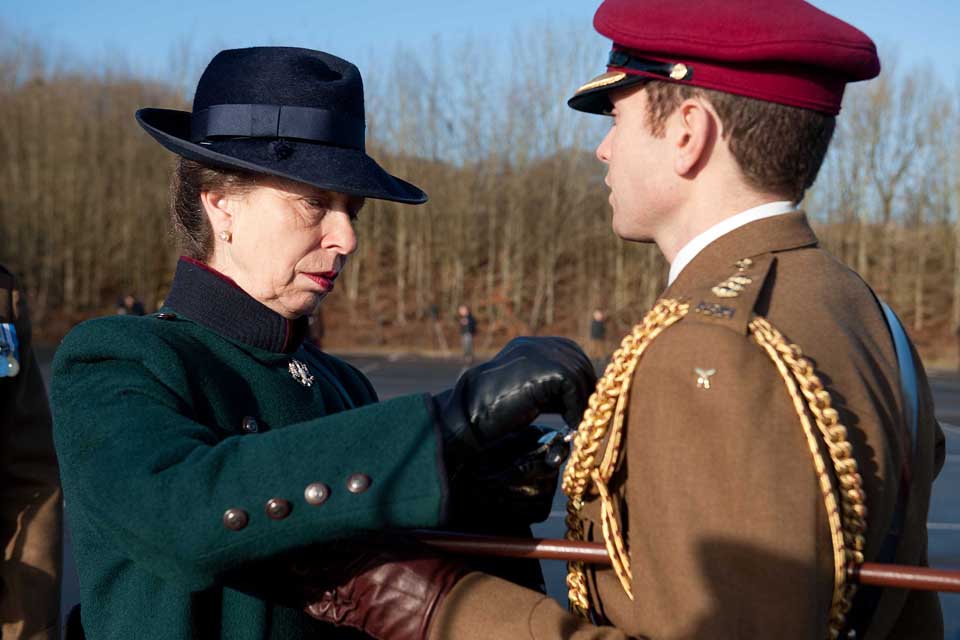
point(30, 503)
point(203, 448)
point(468, 329)
point(128, 305)
point(598, 334)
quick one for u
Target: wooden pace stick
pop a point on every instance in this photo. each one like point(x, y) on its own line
point(871, 573)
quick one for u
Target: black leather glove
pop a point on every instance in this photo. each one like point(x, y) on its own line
point(512, 482)
point(505, 489)
point(529, 377)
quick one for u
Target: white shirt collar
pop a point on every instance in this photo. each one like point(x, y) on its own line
point(725, 226)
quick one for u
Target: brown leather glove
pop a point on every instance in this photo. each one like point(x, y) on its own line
point(388, 594)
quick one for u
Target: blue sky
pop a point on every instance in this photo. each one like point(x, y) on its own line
point(144, 35)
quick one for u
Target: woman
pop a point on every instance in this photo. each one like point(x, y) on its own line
point(199, 444)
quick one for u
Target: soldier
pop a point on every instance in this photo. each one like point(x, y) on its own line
point(780, 428)
point(30, 505)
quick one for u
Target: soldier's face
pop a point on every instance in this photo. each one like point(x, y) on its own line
point(288, 244)
point(638, 168)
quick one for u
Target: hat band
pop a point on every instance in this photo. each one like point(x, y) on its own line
point(671, 70)
point(277, 121)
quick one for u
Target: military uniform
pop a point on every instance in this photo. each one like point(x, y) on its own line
point(30, 504)
point(722, 513)
point(766, 445)
point(199, 444)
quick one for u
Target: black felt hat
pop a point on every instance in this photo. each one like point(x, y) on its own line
point(283, 111)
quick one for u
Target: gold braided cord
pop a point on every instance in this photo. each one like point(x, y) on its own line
point(605, 411)
point(847, 527)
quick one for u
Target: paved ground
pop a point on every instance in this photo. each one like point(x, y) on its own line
point(398, 375)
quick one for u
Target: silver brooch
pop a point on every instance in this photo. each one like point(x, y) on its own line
point(300, 373)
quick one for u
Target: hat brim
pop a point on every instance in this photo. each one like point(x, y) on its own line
point(339, 169)
point(593, 97)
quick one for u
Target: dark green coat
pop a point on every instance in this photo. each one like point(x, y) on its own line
point(149, 416)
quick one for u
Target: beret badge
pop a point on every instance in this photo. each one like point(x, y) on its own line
point(680, 71)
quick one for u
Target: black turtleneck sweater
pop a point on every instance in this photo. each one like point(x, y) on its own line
point(212, 299)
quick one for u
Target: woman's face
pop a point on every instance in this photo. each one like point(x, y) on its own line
point(286, 242)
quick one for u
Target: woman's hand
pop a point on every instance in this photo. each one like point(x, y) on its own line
point(512, 483)
point(529, 377)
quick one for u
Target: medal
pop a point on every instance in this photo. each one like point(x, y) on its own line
point(300, 372)
point(9, 351)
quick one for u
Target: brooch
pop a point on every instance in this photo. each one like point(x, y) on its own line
point(300, 373)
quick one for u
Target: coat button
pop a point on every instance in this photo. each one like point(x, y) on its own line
point(235, 519)
point(278, 508)
point(250, 424)
point(358, 483)
point(165, 316)
point(316, 493)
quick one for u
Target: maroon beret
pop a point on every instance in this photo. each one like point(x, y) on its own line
point(784, 51)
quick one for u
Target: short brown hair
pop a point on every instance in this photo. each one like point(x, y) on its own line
point(779, 148)
point(191, 228)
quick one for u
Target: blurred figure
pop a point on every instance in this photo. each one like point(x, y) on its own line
point(30, 506)
point(128, 305)
point(956, 332)
point(439, 339)
point(468, 328)
point(598, 334)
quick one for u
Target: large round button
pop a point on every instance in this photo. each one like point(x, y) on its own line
point(235, 519)
point(358, 483)
point(250, 425)
point(316, 493)
point(278, 508)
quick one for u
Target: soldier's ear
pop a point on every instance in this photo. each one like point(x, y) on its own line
point(695, 131)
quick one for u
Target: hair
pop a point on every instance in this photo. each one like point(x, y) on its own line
point(191, 227)
point(778, 148)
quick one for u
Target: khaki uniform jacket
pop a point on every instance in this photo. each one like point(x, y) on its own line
point(725, 524)
point(30, 504)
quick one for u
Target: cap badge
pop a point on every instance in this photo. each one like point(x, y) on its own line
point(703, 377)
point(603, 81)
point(300, 372)
point(680, 71)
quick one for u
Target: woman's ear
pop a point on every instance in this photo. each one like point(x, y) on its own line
point(219, 210)
point(696, 133)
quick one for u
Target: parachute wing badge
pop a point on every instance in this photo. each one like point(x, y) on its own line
point(703, 377)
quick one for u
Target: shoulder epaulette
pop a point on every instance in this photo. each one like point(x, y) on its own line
point(731, 301)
